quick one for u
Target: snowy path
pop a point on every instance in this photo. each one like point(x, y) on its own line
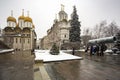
point(47, 57)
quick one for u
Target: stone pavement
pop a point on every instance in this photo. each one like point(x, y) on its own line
point(40, 72)
point(20, 66)
point(90, 68)
point(16, 66)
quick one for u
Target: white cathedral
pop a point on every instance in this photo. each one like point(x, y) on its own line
point(59, 32)
point(20, 35)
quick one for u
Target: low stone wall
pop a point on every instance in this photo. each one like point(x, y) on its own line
point(70, 45)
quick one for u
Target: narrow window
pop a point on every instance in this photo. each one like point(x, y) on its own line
point(28, 41)
point(20, 40)
point(24, 40)
point(21, 24)
point(65, 36)
point(16, 40)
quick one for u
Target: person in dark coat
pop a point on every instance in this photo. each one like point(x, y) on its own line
point(87, 48)
point(102, 49)
point(97, 50)
point(73, 51)
point(91, 50)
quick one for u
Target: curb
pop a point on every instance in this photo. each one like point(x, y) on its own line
point(39, 71)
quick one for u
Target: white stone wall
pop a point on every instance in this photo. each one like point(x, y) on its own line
point(11, 24)
point(64, 31)
point(26, 44)
point(21, 43)
point(17, 43)
point(21, 23)
point(28, 24)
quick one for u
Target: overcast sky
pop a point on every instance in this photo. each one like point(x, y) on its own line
point(91, 12)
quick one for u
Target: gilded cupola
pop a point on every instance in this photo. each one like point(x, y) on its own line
point(22, 16)
point(28, 19)
point(11, 18)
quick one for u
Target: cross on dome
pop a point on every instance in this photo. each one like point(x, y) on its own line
point(28, 13)
point(62, 7)
point(12, 13)
point(22, 12)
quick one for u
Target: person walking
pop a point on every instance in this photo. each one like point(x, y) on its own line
point(91, 50)
point(102, 49)
point(97, 50)
point(73, 51)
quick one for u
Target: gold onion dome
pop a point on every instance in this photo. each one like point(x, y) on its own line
point(10, 18)
point(21, 17)
point(28, 19)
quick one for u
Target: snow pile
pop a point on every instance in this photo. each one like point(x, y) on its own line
point(47, 57)
point(6, 50)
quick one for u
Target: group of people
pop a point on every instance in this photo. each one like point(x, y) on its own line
point(97, 49)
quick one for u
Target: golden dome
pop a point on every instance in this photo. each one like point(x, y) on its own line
point(28, 19)
point(10, 18)
point(21, 17)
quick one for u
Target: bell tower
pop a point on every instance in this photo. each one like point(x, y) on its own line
point(62, 14)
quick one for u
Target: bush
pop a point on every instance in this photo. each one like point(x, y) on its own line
point(54, 50)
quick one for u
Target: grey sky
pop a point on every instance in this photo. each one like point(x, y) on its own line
point(43, 12)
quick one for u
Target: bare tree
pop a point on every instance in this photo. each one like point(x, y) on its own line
point(86, 36)
point(113, 29)
point(99, 29)
point(86, 31)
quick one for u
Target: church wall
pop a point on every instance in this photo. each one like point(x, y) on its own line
point(8, 40)
point(17, 43)
point(28, 24)
point(21, 23)
point(15, 38)
point(11, 24)
point(26, 43)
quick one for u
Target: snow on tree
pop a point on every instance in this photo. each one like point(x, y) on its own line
point(54, 50)
point(74, 35)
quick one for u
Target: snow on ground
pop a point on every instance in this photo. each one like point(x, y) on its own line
point(47, 57)
point(108, 51)
point(6, 50)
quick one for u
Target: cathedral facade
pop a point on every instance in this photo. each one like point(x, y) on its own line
point(20, 35)
point(59, 32)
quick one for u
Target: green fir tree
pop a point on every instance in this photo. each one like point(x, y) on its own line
point(54, 50)
point(74, 35)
